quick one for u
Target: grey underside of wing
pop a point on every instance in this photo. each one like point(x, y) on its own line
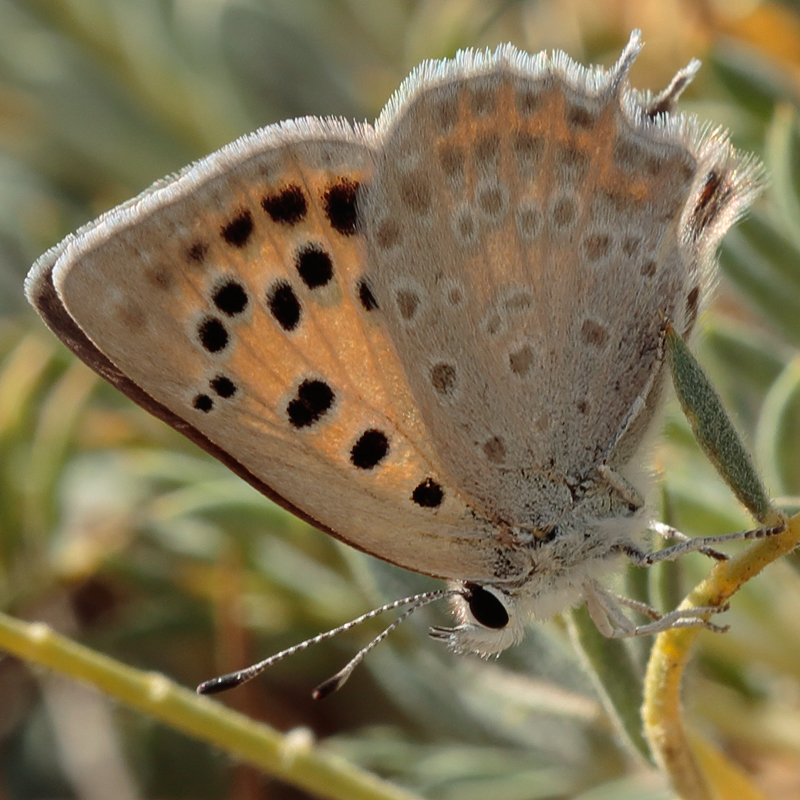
point(526, 266)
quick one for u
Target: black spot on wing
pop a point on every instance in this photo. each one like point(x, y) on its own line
point(314, 399)
point(429, 494)
point(370, 449)
point(237, 232)
point(340, 206)
point(213, 335)
point(287, 207)
point(230, 298)
point(202, 402)
point(284, 305)
point(223, 386)
point(314, 265)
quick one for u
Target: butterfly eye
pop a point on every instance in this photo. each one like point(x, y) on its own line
point(486, 607)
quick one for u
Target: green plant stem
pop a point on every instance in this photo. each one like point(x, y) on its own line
point(305, 766)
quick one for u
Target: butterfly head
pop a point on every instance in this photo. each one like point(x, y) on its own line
point(489, 621)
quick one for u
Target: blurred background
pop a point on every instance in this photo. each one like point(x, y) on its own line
point(121, 534)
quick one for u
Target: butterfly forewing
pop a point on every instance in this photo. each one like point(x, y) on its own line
point(236, 299)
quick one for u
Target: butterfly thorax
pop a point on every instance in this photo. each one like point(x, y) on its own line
point(540, 573)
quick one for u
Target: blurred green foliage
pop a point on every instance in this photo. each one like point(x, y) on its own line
point(121, 534)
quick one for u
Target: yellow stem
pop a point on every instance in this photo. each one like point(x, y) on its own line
point(661, 712)
point(291, 758)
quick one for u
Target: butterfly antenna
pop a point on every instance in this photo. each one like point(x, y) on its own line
point(234, 679)
point(336, 682)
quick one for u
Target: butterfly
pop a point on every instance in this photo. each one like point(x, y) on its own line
point(438, 338)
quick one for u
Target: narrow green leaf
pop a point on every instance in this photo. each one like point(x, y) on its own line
point(614, 675)
point(713, 428)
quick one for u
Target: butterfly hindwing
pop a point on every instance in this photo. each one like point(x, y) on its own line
point(526, 233)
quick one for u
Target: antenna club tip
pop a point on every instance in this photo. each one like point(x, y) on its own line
point(327, 688)
point(217, 685)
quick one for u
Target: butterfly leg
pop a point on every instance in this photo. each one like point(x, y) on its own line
point(622, 487)
point(701, 543)
point(669, 533)
point(640, 403)
point(606, 613)
point(628, 492)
